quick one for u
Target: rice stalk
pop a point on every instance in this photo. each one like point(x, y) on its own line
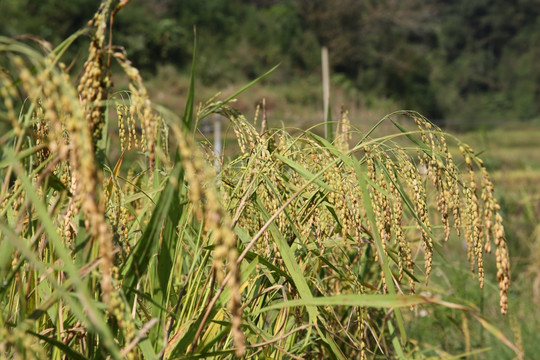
point(298, 247)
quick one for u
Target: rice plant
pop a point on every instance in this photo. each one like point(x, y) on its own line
point(298, 247)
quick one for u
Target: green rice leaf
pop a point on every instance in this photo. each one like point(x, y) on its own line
point(365, 300)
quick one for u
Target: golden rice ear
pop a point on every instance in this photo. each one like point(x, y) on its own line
point(393, 174)
point(70, 140)
point(206, 202)
point(141, 109)
point(95, 82)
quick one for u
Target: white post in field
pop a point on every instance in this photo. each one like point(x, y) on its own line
point(326, 85)
point(217, 141)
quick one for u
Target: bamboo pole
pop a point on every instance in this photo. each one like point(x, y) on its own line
point(326, 92)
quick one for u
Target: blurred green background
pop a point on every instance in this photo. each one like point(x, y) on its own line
point(461, 63)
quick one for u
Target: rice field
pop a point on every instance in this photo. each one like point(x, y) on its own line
point(122, 235)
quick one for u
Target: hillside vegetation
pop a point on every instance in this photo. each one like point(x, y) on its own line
point(461, 62)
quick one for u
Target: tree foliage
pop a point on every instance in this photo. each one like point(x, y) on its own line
point(457, 60)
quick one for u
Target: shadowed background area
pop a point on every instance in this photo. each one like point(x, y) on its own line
point(461, 63)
